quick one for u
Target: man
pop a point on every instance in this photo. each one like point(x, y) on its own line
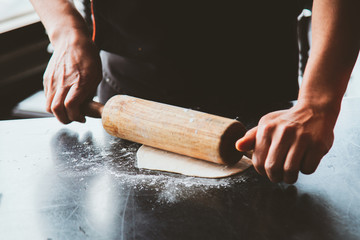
point(218, 57)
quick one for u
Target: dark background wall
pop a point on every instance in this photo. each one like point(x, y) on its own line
point(23, 59)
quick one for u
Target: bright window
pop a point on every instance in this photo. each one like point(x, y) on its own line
point(15, 14)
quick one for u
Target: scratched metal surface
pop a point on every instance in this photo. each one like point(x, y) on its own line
point(77, 182)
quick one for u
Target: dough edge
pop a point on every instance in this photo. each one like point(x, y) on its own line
point(161, 160)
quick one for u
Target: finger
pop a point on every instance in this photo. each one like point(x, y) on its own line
point(57, 105)
point(48, 77)
point(275, 160)
point(247, 142)
point(311, 161)
point(48, 95)
point(262, 144)
point(49, 84)
point(45, 87)
point(49, 99)
point(282, 139)
point(73, 102)
point(293, 161)
point(46, 81)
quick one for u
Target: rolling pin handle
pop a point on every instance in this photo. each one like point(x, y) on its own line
point(249, 154)
point(93, 109)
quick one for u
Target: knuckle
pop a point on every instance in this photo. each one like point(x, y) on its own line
point(286, 133)
point(259, 167)
point(305, 137)
point(289, 130)
point(70, 103)
point(263, 120)
point(73, 110)
point(48, 104)
point(267, 129)
point(46, 75)
point(48, 109)
point(290, 170)
point(274, 171)
point(272, 168)
point(56, 107)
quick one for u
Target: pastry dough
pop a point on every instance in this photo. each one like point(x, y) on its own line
point(156, 159)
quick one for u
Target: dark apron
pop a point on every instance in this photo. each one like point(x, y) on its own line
point(217, 57)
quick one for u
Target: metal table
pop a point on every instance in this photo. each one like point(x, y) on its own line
point(77, 182)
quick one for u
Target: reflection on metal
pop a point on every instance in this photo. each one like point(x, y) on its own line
point(101, 203)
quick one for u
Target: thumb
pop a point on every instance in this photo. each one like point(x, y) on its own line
point(247, 142)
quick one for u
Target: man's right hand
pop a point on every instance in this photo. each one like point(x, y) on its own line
point(74, 70)
point(72, 76)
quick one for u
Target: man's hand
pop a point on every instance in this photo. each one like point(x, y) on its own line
point(286, 142)
point(72, 76)
point(74, 70)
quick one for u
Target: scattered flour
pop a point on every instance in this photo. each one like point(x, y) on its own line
point(118, 160)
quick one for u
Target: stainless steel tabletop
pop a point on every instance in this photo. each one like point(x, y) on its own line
point(77, 182)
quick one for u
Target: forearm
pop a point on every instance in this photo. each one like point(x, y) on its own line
point(74, 70)
point(61, 19)
point(335, 46)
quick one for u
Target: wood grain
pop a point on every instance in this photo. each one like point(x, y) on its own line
point(175, 129)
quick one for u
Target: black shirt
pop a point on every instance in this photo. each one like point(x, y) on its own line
point(211, 54)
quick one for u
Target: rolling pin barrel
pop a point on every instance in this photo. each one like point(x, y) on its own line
point(175, 129)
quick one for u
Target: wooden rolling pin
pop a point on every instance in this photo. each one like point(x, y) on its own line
point(175, 129)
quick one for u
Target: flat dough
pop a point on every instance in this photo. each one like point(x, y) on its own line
point(156, 159)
